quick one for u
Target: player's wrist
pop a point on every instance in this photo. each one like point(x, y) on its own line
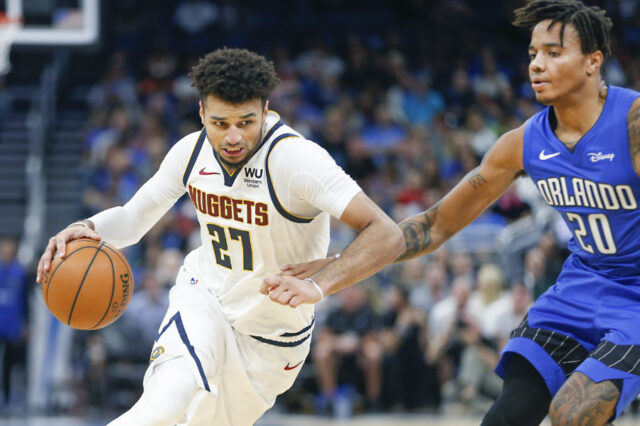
point(315, 284)
point(85, 223)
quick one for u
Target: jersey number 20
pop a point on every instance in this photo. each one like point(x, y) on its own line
point(600, 232)
point(220, 245)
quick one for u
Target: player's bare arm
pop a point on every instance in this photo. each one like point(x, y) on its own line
point(379, 241)
point(426, 231)
point(57, 243)
point(634, 135)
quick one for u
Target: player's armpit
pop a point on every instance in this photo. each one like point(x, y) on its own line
point(633, 118)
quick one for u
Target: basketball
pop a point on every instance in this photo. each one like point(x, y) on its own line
point(90, 287)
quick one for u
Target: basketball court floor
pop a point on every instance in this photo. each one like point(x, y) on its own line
point(307, 420)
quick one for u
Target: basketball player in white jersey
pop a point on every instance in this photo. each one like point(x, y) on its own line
point(236, 334)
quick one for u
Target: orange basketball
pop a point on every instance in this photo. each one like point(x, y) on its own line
point(91, 287)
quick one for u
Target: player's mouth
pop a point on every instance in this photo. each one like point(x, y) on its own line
point(234, 151)
point(538, 83)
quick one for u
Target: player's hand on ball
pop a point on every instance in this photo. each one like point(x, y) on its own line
point(306, 269)
point(57, 243)
point(290, 291)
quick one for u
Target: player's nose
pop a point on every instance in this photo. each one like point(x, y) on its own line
point(233, 136)
point(537, 64)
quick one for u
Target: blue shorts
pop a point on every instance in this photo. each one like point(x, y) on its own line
point(585, 322)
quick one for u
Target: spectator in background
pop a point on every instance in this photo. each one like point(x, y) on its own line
point(506, 313)
point(490, 82)
point(407, 380)
point(13, 326)
point(347, 350)
point(421, 104)
point(534, 272)
point(445, 321)
point(489, 285)
point(382, 137)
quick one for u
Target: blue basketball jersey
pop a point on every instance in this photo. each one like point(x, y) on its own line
point(595, 187)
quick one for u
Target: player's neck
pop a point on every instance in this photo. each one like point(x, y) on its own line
point(578, 113)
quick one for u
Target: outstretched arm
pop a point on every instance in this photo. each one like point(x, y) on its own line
point(428, 230)
point(378, 243)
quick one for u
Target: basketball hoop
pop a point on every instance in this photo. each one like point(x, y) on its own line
point(9, 29)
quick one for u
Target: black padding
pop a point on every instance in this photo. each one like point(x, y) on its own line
point(524, 400)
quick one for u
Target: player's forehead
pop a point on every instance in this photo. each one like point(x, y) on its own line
point(217, 108)
point(545, 34)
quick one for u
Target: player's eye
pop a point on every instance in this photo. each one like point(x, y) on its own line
point(554, 54)
point(247, 122)
point(532, 56)
point(219, 123)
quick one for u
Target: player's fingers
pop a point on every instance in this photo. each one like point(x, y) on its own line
point(295, 301)
point(284, 298)
point(83, 232)
point(269, 284)
point(48, 254)
point(275, 292)
point(264, 288)
point(61, 243)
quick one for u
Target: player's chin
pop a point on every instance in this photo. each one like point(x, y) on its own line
point(544, 98)
point(233, 162)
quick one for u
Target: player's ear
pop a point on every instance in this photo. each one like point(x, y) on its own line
point(201, 112)
point(266, 108)
point(594, 62)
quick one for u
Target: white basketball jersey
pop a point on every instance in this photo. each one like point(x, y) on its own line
point(273, 211)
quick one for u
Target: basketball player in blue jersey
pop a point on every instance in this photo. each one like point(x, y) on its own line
point(576, 355)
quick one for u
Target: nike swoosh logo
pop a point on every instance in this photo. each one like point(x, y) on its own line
point(202, 172)
point(544, 156)
point(291, 367)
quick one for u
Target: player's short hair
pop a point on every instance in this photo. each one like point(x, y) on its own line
point(234, 75)
point(591, 23)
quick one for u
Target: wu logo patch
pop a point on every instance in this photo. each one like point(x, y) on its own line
point(250, 172)
point(253, 177)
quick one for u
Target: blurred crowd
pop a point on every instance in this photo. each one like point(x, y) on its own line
point(407, 96)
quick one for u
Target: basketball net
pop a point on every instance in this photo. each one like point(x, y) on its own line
point(9, 28)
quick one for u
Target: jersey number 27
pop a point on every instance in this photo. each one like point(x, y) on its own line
point(220, 245)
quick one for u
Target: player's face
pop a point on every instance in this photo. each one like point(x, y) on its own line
point(234, 130)
point(557, 70)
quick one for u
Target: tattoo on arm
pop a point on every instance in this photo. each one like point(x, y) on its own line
point(476, 179)
point(634, 138)
point(417, 233)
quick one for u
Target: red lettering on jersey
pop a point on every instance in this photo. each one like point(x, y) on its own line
point(212, 205)
point(225, 207)
point(202, 201)
point(236, 210)
point(262, 218)
point(244, 211)
point(249, 205)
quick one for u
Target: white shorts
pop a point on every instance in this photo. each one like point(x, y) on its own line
point(244, 375)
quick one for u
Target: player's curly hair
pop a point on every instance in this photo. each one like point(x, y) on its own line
point(234, 75)
point(591, 23)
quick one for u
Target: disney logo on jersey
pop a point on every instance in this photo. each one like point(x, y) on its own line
point(253, 177)
point(244, 211)
point(598, 156)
